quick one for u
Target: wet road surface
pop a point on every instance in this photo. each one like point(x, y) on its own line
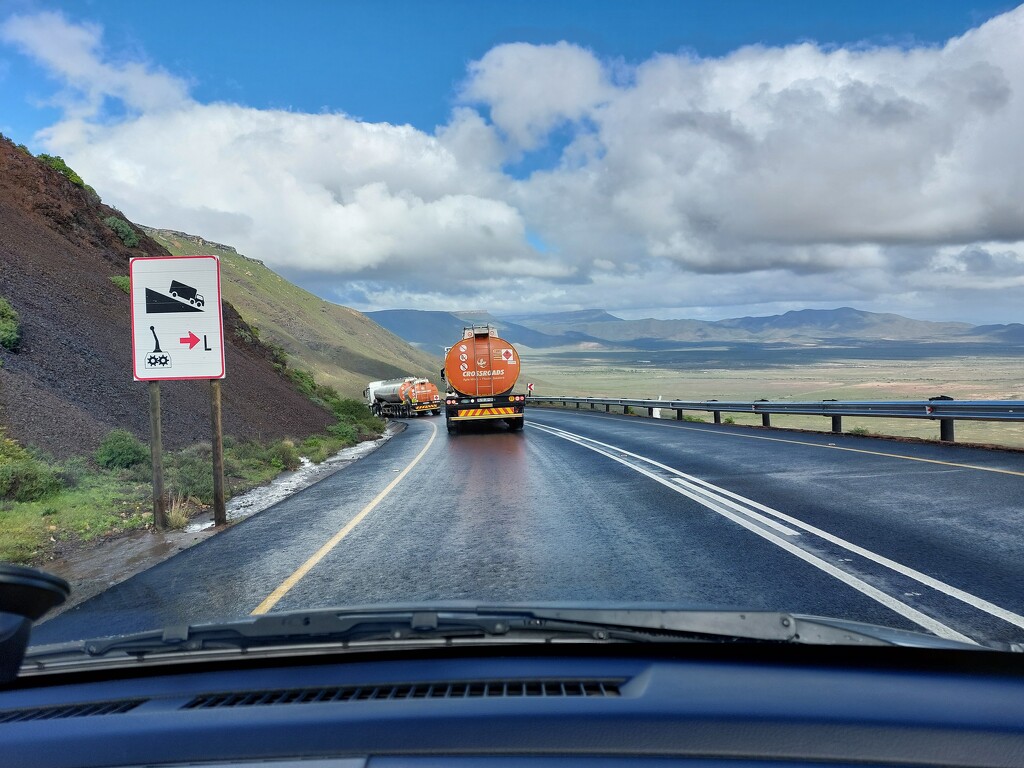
point(601, 508)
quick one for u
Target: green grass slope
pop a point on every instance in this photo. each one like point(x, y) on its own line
point(342, 348)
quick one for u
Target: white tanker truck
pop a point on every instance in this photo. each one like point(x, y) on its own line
point(402, 398)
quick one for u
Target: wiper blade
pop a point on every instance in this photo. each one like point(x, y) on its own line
point(381, 627)
point(763, 626)
point(365, 627)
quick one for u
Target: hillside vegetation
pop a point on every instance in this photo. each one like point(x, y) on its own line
point(342, 348)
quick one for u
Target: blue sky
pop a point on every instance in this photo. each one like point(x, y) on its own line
point(402, 62)
point(587, 144)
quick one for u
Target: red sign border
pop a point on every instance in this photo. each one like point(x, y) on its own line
point(220, 315)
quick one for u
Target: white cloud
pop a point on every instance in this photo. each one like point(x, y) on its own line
point(72, 53)
point(888, 178)
point(530, 89)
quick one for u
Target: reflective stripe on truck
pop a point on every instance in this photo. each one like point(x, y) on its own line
point(485, 413)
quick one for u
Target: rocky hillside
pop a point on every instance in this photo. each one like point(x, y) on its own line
point(70, 380)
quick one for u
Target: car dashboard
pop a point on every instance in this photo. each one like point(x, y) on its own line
point(557, 705)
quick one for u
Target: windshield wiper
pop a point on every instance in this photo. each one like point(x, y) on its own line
point(382, 627)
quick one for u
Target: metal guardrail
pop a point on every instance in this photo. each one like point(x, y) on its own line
point(942, 409)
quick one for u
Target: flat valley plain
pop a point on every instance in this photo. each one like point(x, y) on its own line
point(840, 370)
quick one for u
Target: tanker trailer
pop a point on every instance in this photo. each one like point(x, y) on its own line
point(403, 397)
point(481, 371)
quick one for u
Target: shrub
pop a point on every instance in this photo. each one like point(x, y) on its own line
point(10, 331)
point(24, 149)
point(696, 419)
point(26, 479)
point(177, 513)
point(285, 455)
point(728, 420)
point(123, 230)
point(22, 476)
point(140, 473)
point(314, 448)
point(120, 449)
point(9, 449)
point(860, 431)
point(72, 472)
point(343, 431)
point(190, 472)
point(58, 164)
point(123, 282)
point(277, 353)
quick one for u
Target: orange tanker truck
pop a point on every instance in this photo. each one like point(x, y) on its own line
point(481, 371)
point(402, 397)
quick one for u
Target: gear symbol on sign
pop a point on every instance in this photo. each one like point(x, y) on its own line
point(157, 358)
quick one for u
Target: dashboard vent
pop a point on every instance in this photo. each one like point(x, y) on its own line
point(70, 710)
point(406, 691)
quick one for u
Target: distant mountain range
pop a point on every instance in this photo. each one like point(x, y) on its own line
point(596, 328)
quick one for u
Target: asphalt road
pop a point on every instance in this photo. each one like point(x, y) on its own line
point(599, 508)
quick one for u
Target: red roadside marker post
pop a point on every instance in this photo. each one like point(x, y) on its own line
point(178, 335)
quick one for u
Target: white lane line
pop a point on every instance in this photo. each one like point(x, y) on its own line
point(914, 615)
point(965, 597)
point(699, 494)
point(286, 586)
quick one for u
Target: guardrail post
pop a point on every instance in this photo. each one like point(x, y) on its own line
point(837, 424)
point(650, 413)
point(577, 405)
point(679, 414)
point(607, 407)
point(717, 416)
point(945, 425)
point(766, 418)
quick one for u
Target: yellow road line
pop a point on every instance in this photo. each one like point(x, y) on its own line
point(839, 448)
point(286, 585)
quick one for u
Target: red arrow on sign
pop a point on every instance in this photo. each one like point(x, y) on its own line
point(191, 339)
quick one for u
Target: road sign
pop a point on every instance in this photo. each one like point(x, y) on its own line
point(177, 323)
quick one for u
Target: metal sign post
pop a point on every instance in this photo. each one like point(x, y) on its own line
point(178, 334)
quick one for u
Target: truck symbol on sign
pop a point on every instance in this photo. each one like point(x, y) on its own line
point(188, 293)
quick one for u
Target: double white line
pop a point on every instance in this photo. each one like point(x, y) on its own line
point(784, 530)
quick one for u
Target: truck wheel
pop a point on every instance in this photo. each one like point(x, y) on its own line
point(453, 426)
point(515, 425)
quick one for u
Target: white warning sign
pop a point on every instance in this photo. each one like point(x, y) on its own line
point(177, 323)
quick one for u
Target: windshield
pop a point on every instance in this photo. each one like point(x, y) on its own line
point(622, 306)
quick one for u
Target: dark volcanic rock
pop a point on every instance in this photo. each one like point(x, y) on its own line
point(71, 380)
